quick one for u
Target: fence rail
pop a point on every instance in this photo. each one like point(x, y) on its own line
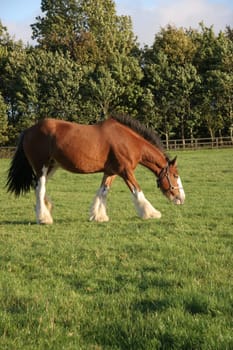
point(6, 152)
point(200, 143)
point(187, 144)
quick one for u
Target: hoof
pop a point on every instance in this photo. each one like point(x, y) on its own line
point(45, 222)
point(152, 215)
point(99, 218)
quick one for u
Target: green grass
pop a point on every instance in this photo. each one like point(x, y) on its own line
point(126, 284)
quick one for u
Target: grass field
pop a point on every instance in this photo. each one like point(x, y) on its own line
point(125, 284)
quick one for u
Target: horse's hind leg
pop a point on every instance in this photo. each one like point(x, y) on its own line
point(98, 208)
point(51, 170)
point(43, 214)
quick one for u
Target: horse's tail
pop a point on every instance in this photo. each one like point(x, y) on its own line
point(21, 176)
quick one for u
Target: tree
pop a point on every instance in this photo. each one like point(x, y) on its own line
point(10, 82)
point(214, 63)
point(176, 44)
point(102, 43)
point(59, 29)
point(39, 84)
point(48, 86)
point(87, 64)
point(229, 32)
point(4, 39)
point(89, 29)
point(157, 77)
point(105, 92)
point(3, 122)
point(8, 85)
point(172, 78)
point(112, 87)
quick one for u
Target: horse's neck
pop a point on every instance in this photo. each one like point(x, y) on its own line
point(153, 158)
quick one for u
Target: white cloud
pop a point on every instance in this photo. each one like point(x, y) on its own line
point(149, 16)
point(190, 13)
point(18, 23)
point(20, 30)
point(147, 20)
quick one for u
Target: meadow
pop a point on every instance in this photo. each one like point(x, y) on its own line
point(125, 284)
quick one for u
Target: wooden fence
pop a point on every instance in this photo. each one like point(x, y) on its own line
point(202, 143)
point(187, 144)
point(6, 152)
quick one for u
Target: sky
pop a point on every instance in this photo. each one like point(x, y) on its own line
point(148, 16)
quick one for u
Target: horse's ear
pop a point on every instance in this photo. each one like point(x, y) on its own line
point(173, 161)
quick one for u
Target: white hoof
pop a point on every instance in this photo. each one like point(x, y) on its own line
point(152, 215)
point(45, 221)
point(44, 217)
point(99, 218)
point(144, 208)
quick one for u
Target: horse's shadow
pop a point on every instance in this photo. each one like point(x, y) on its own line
point(17, 222)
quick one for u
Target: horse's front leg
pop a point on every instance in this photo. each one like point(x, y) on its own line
point(143, 207)
point(98, 209)
point(43, 208)
point(48, 203)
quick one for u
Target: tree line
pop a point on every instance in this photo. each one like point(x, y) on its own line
point(87, 64)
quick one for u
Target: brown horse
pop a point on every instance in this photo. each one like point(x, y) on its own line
point(115, 147)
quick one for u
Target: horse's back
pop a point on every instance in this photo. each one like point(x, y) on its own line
point(81, 148)
point(56, 130)
point(62, 130)
point(75, 147)
point(49, 127)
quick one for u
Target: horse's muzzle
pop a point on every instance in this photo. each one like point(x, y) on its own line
point(179, 198)
point(178, 201)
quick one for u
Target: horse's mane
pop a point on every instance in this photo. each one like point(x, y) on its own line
point(147, 133)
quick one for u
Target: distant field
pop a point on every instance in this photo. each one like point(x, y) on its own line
point(125, 284)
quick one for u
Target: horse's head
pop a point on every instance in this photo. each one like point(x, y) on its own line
point(170, 183)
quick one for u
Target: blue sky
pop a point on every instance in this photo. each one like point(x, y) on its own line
point(148, 16)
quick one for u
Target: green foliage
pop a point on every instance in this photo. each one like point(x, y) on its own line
point(50, 86)
point(90, 30)
point(101, 42)
point(39, 84)
point(3, 121)
point(113, 87)
point(125, 284)
point(59, 29)
point(173, 88)
point(214, 63)
point(186, 71)
point(87, 64)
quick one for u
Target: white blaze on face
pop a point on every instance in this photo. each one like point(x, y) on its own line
point(181, 190)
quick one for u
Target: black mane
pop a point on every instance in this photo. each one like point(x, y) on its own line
point(147, 133)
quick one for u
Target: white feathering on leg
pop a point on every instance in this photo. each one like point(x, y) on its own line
point(42, 213)
point(143, 206)
point(98, 208)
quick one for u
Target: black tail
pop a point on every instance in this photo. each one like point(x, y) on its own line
point(21, 176)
